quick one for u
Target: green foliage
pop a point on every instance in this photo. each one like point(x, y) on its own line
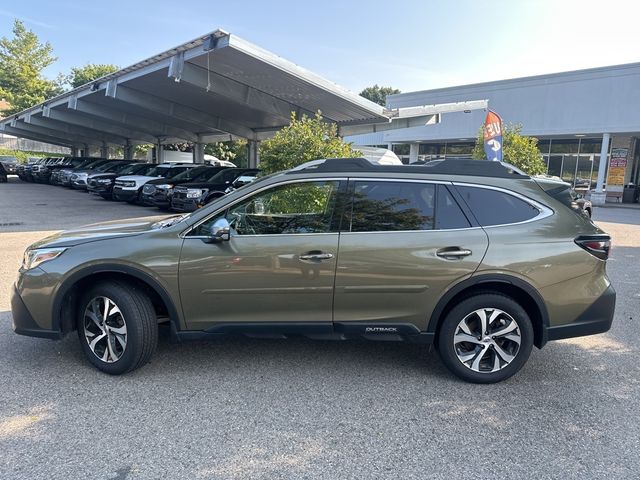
point(518, 150)
point(233, 151)
point(303, 140)
point(378, 94)
point(90, 72)
point(22, 156)
point(140, 151)
point(22, 59)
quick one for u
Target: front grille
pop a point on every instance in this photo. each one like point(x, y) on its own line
point(148, 189)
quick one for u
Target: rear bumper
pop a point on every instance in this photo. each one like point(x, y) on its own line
point(595, 319)
point(24, 324)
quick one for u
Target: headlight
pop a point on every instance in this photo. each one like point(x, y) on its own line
point(195, 193)
point(33, 258)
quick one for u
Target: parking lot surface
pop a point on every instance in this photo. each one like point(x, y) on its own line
point(243, 409)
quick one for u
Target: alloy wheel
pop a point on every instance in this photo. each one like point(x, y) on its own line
point(105, 329)
point(487, 340)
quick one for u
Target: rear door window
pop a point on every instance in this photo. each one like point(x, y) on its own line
point(392, 206)
point(449, 215)
point(494, 207)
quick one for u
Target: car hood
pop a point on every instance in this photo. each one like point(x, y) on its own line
point(100, 231)
point(103, 175)
point(210, 186)
point(138, 178)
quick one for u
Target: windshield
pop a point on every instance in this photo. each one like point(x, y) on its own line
point(92, 164)
point(226, 175)
point(194, 173)
point(107, 167)
point(136, 168)
point(158, 172)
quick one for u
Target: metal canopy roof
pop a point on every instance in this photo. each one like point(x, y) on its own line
point(214, 88)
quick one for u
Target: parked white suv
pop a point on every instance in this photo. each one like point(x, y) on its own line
point(129, 187)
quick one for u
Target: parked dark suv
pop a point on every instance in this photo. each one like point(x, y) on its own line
point(193, 195)
point(473, 256)
point(159, 192)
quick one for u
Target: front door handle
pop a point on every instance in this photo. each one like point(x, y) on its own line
point(317, 256)
point(453, 253)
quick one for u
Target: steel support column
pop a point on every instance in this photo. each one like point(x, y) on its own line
point(74, 151)
point(413, 152)
point(159, 152)
point(104, 151)
point(254, 153)
point(127, 151)
point(599, 196)
point(198, 152)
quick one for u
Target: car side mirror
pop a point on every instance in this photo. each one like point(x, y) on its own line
point(220, 231)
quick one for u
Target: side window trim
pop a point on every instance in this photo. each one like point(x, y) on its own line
point(348, 211)
point(462, 204)
point(342, 181)
point(543, 210)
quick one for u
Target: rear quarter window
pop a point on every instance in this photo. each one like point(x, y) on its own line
point(494, 207)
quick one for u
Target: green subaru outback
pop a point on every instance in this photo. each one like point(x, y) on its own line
point(474, 257)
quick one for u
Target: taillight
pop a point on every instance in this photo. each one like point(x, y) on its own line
point(596, 245)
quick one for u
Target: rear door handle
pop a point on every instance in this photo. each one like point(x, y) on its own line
point(454, 253)
point(316, 256)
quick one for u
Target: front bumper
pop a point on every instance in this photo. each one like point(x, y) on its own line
point(184, 204)
point(124, 195)
point(100, 189)
point(79, 184)
point(24, 324)
point(595, 319)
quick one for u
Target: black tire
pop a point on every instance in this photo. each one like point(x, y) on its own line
point(465, 310)
point(588, 210)
point(139, 317)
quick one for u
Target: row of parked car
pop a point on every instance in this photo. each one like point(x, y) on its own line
point(181, 187)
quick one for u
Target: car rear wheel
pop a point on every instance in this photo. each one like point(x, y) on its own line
point(117, 327)
point(486, 338)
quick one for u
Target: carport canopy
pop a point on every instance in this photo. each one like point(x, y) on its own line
point(217, 87)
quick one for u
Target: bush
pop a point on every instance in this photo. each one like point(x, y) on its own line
point(518, 150)
point(301, 141)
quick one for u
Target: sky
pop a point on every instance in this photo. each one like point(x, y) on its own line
point(408, 44)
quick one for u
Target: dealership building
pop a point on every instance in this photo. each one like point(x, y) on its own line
point(579, 117)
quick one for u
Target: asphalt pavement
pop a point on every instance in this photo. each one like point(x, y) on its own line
point(302, 409)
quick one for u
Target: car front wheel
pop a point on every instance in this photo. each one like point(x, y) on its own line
point(486, 338)
point(117, 327)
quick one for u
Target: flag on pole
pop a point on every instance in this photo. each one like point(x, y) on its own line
point(493, 136)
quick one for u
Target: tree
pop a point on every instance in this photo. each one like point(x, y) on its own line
point(518, 150)
point(90, 72)
point(303, 140)
point(378, 94)
point(233, 151)
point(22, 59)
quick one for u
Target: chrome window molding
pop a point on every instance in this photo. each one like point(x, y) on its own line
point(543, 210)
point(185, 233)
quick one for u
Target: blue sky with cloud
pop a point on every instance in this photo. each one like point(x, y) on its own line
point(409, 44)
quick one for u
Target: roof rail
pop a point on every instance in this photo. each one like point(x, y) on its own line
point(449, 166)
